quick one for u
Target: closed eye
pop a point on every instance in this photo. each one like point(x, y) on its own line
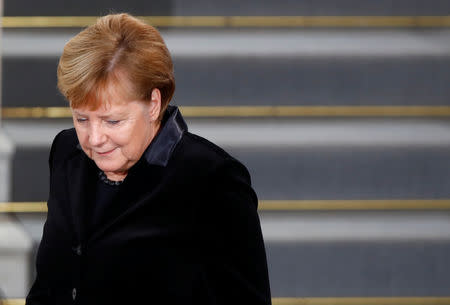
point(81, 120)
point(113, 122)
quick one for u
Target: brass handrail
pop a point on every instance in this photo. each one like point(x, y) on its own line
point(257, 111)
point(288, 205)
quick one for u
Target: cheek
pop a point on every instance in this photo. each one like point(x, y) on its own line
point(131, 142)
point(120, 140)
point(122, 137)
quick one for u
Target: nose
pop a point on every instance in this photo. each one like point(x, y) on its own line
point(97, 137)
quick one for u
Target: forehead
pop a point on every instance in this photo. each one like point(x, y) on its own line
point(112, 104)
point(104, 109)
point(114, 90)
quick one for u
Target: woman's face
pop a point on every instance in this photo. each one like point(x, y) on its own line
point(117, 133)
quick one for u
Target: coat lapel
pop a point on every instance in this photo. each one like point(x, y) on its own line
point(80, 181)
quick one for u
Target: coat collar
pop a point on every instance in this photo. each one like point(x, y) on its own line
point(81, 174)
point(172, 129)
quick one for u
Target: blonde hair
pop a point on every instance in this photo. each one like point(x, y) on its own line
point(115, 43)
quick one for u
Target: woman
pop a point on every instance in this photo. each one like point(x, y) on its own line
point(140, 210)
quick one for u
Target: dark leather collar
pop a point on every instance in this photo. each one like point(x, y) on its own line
point(172, 129)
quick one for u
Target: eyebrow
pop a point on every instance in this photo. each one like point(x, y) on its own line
point(121, 113)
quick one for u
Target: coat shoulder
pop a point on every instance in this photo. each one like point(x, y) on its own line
point(197, 155)
point(64, 145)
point(206, 146)
point(194, 148)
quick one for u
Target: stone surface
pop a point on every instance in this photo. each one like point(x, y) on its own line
point(6, 155)
point(15, 247)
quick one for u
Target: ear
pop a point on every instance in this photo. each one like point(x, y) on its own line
point(155, 104)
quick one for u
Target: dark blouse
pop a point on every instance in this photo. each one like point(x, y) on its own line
point(104, 205)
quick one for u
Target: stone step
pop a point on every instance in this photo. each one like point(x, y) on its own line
point(359, 269)
point(232, 68)
point(364, 254)
point(292, 159)
point(346, 254)
point(225, 8)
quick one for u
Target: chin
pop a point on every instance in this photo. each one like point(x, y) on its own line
point(107, 166)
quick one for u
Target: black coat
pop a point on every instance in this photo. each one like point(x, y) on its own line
point(186, 230)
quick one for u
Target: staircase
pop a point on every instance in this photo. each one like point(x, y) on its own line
point(348, 109)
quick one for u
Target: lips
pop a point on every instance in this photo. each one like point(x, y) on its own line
point(105, 152)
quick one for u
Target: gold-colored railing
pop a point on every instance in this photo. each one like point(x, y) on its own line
point(288, 205)
point(239, 21)
point(257, 111)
